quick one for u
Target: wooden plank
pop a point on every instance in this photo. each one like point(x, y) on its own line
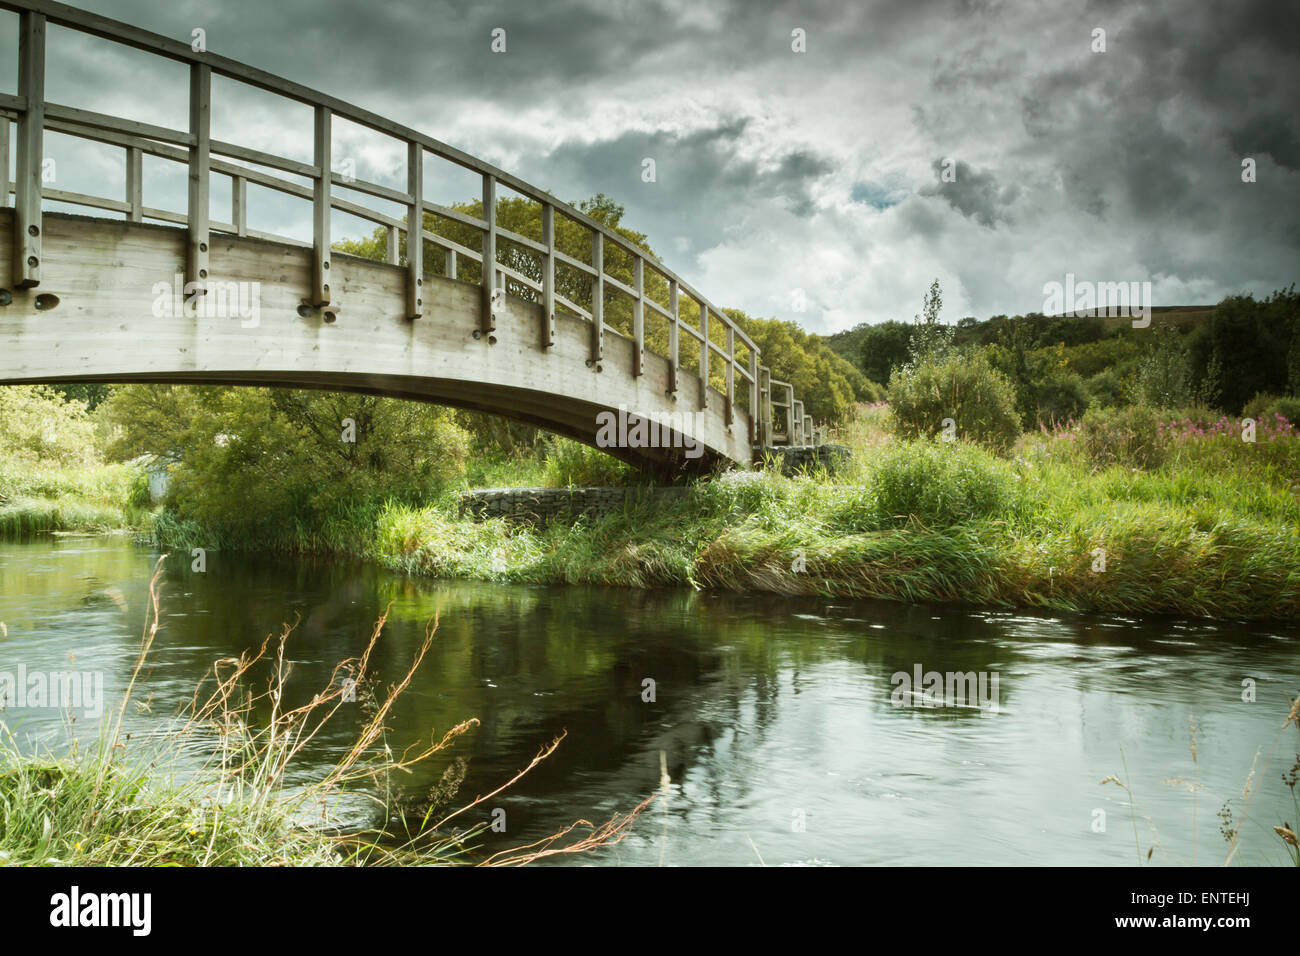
point(638, 317)
point(524, 241)
point(415, 231)
point(572, 307)
point(674, 324)
point(598, 297)
point(456, 215)
point(581, 266)
point(654, 306)
point(755, 407)
point(449, 263)
point(196, 258)
point(548, 276)
point(89, 118)
point(320, 209)
point(442, 242)
point(233, 150)
point(729, 412)
point(4, 161)
point(83, 199)
point(617, 286)
point(134, 183)
point(366, 213)
point(371, 189)
point(392, 245)
point(29, 149)
point(488, 320)
point(527, 281)
point(704, 356)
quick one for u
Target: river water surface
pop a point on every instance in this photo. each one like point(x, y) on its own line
point(775, 718)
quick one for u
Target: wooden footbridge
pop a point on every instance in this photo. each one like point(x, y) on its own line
point(161, 295)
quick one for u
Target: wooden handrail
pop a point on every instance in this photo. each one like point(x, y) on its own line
point(195, 147)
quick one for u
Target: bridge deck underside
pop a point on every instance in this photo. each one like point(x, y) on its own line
point(113, 323)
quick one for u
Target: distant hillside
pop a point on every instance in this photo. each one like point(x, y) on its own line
point(848, 343)
point(1220, 356)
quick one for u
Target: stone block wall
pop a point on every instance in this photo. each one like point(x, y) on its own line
point(542, 505)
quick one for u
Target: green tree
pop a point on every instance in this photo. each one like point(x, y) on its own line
point(1164, 374)
point(885, 347)
point(253, 462)
point(1251, 342)
point(962, 387)
point(930, 338)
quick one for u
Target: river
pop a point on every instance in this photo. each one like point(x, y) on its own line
point(778, 719)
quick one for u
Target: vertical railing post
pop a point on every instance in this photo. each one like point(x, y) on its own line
point(765, 406)
point(638, 317)
point(449, 264)
point(731, 374)
point(30, 150)
point(488, 319)
point(673, 342)
point(798, 430)
point(393, 246)
point(704, 356)
point(134, 186)
point(597, 298)
point(790, 433)
point(755, 421)
point(196, 259)
point(320, 208)
point(4, 162)
point(239, 205)
point(415, 231)
point(548, 276)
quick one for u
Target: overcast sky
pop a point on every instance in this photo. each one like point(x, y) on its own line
point(777, 170)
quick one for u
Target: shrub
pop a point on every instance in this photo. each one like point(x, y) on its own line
point(1256, 407)
point(1062, 396)
point(963, 387)
point(1288, 408)
point(1265, 407)
point(571, 464)
point(941, 484)
point(1127, 436)
point(1105, 389)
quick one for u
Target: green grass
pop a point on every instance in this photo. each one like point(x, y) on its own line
point(40, 498)
point(1215, 531)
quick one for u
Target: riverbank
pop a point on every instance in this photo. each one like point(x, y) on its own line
point(1208, 527)
point(95, 498)
point(1213, 530)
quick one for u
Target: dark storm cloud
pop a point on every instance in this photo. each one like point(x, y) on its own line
point(975, 194)
point(699, 180)
point(1152, 132)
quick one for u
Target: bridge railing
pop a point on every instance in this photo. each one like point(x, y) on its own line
point(738, 357)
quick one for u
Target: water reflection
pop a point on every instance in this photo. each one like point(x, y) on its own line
point(773, 715)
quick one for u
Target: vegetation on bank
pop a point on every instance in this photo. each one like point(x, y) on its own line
point(53, 475)
point(1212, 529)
point(1126, 510)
